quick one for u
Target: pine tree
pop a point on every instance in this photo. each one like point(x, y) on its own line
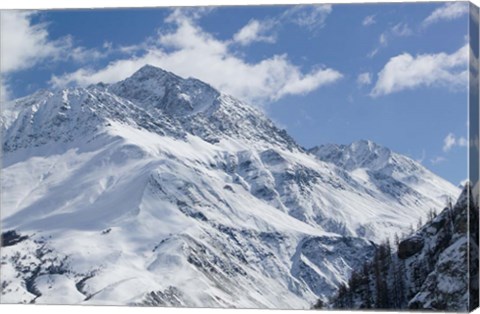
point(395, 302)
point(382, 300)
point(396, 240)
point(319, 305)
point(419, 223)
point(432, 213)
point(367, 296)
point(400, 282)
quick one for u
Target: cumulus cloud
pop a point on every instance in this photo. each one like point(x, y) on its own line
point(364, 78)
point(254, 31)
point(369, 20)
point(448, 11)
point(297, 83)
point(24, 44)
point(451, 141)
point(189, 51)
point(408, 72)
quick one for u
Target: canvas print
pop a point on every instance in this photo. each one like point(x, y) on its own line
point(319, 156)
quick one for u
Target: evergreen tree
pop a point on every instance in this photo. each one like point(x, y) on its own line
point(432, 213)
point(396, 240)
point(367, 296)
point(419, 223)
point(319, 305)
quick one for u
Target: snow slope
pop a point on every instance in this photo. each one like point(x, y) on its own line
point(159, 190)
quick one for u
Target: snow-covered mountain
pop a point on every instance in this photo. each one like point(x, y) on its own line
point(159, 190)
point(393, 175)
point(434, 268)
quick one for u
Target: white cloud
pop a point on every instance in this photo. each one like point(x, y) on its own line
point(312, 17)
point(448, 11)
point(364, 78)
point(383, 39)
point(4, 91)
point(401, 30)
point(408, 72)
point(462, 142)
point(189, 13)
point(382, 42)
point(189, 51)
point(373, 53)
point(83, 55)
point(398, 30)
point(450, 141)
point(437, 160)
point(24, 44)
point(369, 20)
point(298, 83)
point(255, 31)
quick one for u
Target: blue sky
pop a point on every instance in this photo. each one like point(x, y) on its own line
point(392, 73)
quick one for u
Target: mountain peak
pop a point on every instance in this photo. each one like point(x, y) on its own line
point(149, 71)
point(366, 144)
point(153, 87)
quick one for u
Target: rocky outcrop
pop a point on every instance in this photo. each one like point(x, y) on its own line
point(436, 268)
point(410, 246)
point(11, 237)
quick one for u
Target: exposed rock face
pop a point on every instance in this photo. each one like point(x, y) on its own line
point(436, 268)
point(318, 252)
point(410, 246)
point(447, 286)
point(10, 238)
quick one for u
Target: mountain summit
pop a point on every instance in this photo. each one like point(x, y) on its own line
point(157, 88)
point(159, 190)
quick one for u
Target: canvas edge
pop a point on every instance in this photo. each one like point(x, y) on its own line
point(473, 156)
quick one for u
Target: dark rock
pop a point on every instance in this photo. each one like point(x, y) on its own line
point(410, 247)
point(228, 188)
point(11, 237)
